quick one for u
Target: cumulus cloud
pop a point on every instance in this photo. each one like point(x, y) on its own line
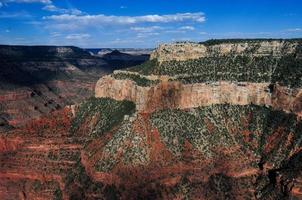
point(101, 19)
point(54, 8)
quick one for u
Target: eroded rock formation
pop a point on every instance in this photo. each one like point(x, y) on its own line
point(152, 134)
point(170, 94)
point(187, 50)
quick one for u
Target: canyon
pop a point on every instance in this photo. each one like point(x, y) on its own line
point(214, 120)
point(37, 80)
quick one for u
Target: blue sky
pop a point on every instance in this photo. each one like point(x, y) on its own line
point(144, 23)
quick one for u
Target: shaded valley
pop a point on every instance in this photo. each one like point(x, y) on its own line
point(37, 80)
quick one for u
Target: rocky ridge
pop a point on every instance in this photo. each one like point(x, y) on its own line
point(186, 50)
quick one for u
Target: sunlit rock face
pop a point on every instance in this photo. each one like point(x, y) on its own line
point(186, 51)
point(224, 126)
point(177, 95)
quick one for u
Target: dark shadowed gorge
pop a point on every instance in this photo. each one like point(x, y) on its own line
point(37, 80)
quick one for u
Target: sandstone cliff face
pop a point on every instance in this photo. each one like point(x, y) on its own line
point(187, 50)
point(172, 94)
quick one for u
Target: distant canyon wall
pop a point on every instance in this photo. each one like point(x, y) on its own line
point(173, 94)
point(183, 51)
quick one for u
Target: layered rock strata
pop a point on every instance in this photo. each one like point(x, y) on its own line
point(173, 94)
point(187, 50)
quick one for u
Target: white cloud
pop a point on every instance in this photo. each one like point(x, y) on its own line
point(55, 34)
point(54, 8)
point(49, 6)
point(175, 31)
point(77, 36)
point(28, 1)
point(97, 20)
point(118, 42)
point(147, 35)
point(123, 7)
point(146, 29)
point(187, 28)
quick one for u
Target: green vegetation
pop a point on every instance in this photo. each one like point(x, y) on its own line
point(146, 68)
point(102, 114)
point(58, 194)
point(63, 155)
point(77, 175)
point(286, 70)
point(141, 81)
point(223, 126)
point(52, 156)
point(239, 68)
point(80, 185)
point(126, 143)
point(232, 41)
point(37, 185)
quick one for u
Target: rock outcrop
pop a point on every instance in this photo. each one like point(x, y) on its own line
point(175, 95)
point(187, 51)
